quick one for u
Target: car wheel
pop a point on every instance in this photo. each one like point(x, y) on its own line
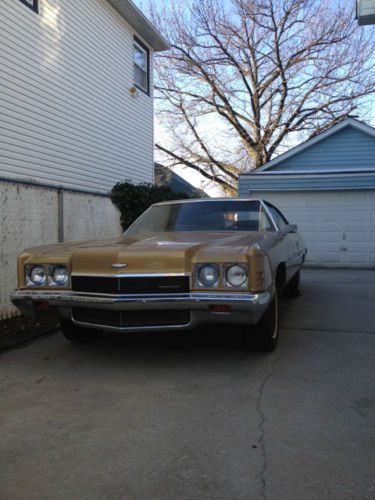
point(76, 333)
point(292, 289)
point(265, 334)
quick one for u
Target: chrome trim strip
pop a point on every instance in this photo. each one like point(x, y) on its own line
point(131, 328)
point(64, 297)
point(206, 200)
point(265, 208)
point(128, 275)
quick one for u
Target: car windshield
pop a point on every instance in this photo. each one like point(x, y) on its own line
point(201, 216)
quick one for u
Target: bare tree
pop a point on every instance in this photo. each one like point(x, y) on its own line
point(241, 80)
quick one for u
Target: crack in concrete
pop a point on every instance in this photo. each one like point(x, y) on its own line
point(325, 330)
point(261, 429)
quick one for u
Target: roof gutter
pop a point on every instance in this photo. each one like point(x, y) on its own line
point(140, 24)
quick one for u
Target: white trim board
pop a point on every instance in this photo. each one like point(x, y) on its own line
point(364, 171)
point(312, 175)
point(278, 189)
point(140, 24)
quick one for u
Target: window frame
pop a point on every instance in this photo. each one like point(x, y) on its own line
point(137, 43)
point(272, 227)
point(32, 4)
point(282, 217)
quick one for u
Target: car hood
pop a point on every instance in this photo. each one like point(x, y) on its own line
point(166, 252)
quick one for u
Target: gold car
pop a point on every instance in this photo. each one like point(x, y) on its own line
point(181, 264)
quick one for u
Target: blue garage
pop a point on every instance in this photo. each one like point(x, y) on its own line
point(326, 185)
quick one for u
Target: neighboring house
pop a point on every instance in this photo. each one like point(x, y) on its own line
point(76, 107)
point(327, 186)
point(164, 175)
point(366, 12)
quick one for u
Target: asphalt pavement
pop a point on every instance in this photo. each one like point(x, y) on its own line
point(196, 416)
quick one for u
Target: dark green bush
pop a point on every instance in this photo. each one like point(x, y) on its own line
point(133, 199)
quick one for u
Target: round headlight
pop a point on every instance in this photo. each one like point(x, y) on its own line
point(208, 275)
point(38, 276)
point(60, 276)
point(236, 276)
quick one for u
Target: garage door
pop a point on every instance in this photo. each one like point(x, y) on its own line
point(337, 226)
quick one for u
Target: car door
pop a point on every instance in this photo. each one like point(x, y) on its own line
point(293, 241)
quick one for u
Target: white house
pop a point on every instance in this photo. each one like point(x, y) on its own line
point(366, 12)
point(76, 116)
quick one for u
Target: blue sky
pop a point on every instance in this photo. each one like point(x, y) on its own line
point(143, 4)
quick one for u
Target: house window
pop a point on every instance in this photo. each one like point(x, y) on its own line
point(141, 66)
point(33, 4)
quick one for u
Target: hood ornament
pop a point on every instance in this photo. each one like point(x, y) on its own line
point(119, 265)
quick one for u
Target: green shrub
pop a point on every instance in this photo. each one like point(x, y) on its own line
point(133, 199)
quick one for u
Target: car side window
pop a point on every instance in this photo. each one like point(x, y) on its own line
point(265, 224)
point(277, 216)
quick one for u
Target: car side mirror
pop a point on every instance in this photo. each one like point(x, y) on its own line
point(291, 228)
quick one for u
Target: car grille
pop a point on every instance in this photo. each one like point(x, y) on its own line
point(131, 285)
point(122, 319)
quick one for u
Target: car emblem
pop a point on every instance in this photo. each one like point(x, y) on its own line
point(119, 265)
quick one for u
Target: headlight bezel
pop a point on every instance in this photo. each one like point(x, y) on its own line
point(28, 272)
point(48, 282)
point(51, 280)
point(226, 280)
point(222, 281)
point(198, 270)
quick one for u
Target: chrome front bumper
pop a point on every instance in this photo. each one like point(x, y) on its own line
point(244, 308)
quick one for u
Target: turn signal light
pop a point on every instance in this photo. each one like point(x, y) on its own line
point(220, 309)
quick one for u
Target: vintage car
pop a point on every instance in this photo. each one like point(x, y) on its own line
point(181, 264)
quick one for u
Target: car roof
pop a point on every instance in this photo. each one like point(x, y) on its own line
point(204, 200)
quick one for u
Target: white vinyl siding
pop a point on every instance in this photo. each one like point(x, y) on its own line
point(67, 116)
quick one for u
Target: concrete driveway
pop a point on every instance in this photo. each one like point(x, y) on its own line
point(196, 416)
